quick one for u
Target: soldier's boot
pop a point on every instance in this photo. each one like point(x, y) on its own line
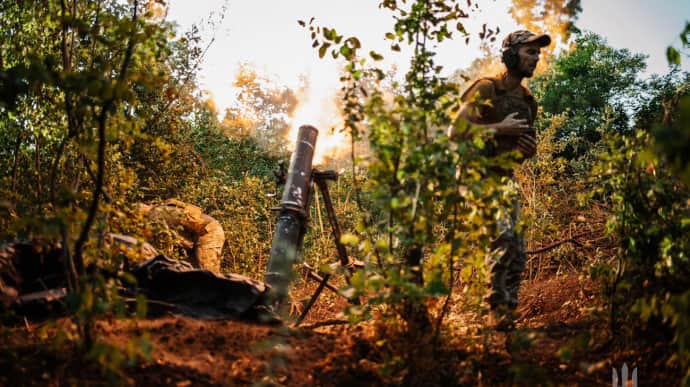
point(502, 318)
point(514, 273)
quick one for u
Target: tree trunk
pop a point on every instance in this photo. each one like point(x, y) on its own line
point(420, 340)
point(414, 264)
point(15, 164)
point(419, 327)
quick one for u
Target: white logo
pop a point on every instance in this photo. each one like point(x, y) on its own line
point(624, 381)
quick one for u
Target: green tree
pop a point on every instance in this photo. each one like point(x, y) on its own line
point(595, 85)
point(557, 18)
point(645, 179)
point(262, 110)
point(650, 217)
point(674, 54)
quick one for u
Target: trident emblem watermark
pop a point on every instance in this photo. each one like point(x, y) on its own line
point(624, 381)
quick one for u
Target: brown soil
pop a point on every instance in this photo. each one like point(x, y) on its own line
point(553, 345)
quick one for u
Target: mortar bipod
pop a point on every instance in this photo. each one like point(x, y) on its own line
point(321, 178)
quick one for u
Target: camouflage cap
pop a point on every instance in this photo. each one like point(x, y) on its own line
point(523, 37)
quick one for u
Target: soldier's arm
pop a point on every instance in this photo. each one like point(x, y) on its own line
point(527, 145)
point(472, 110)
point(510, 126)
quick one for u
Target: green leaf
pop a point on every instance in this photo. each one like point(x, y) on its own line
point(349, 239)
point(375, 56)
point(346, 51)
point(672, 56)
point(478, 142)
point(326, 269)
point(323, 48)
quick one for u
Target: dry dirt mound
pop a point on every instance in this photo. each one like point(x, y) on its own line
point(229, 352)
point(557, 300)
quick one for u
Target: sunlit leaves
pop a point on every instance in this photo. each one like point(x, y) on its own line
point(375, 56)
point(591, 85)
point(346, 51)
point(347, 48)
point(649, 213)
point(560, 22)
point(322, 49)
point(673, 56)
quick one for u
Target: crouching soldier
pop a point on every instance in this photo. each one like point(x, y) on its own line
point(201, 235)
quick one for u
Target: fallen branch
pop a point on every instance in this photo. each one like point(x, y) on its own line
point(133, 301)
point(554, 245)
point(325, 323)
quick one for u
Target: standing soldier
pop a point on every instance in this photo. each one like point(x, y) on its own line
point(199, 233)
point(510, 113)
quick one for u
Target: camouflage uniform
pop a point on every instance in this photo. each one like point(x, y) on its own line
point(199, 232)
point(508, 258)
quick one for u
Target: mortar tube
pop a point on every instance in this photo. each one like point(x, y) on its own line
point(292, 219)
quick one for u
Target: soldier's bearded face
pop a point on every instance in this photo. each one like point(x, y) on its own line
point(529, 57)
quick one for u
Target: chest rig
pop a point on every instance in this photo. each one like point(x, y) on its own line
point(503, 104)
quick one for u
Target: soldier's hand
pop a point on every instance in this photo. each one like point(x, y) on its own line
point(512, 126)
point(527, 145)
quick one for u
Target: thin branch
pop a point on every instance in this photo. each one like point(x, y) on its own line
point(556, 244)
point(451, 280)
point(71, 127)
point(102, 118)
point(15, 164)
point(37, 144)
point(94, 179)
point(325, 323)
point(56, 162)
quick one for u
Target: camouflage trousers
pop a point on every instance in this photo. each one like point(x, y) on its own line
point(507, 259)
point(208, 248)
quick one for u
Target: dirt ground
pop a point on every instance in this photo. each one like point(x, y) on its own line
point(553, 345)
